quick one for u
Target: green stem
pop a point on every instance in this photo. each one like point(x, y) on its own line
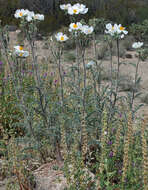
point(118, 70)
point(111, 70)
point(135, 81)
point(61, 77)
point(84, 78)
point(78, 64)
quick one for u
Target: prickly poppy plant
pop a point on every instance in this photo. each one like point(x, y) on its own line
point(69, 112)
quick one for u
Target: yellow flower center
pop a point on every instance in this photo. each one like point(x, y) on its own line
point(21, 14)
point(112, 27)
point(21, 54)
point(62, 38)
point(121, 28)
point(20, 48)
point(75, 26)
point(75, 11)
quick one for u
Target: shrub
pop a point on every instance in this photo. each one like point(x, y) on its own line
point(140, 31)
point(10, 116)
point(144, 54)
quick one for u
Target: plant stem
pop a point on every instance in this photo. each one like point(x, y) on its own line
point(135, 81)
point(61, 77)
point(78, 64)
point(84, 78)
point(117, 75)
point(111, 70)
point(94, 45)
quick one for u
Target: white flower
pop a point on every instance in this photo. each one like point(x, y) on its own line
point(90, 64)
point(75, 26)
point(65, 6)
point(87, 29)
point(77, 9)
point(111, 29)
point(121, 29)
point(73, 10)
point(82, 8)
point(22, 53)
point(19, 51)
point(38, 17)
point(61, 37)
point(30, 16)
point(116, 30)
point(19, 13)
point(18, 48)
point(137, 45)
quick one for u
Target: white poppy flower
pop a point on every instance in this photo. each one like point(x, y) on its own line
point(65, 6)
point(111, 29)
point(18, 48)
point(24, 54)
point(30, 16)
point(121, 29)
point(61, 37)
point(21, 53)
point(116, 30)
point(77, 9)
point(19, 13)
point(87, 29)
point(73, 10)
point(39, 17)
point(137, 45)
point(75, 26)
point(82, 8)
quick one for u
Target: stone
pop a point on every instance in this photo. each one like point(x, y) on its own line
point(129, 56)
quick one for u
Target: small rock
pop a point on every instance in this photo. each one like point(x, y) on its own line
point(129, 56)
point(12, 28)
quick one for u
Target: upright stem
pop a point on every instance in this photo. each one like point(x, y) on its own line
point(111, 70)
point(135, 81)
point(118, 70)
point(35, 66)
point(94, 84)
point(78, 64)
point(84, 78)
point(31, 40)
point(95, 48)
point(61, 77)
